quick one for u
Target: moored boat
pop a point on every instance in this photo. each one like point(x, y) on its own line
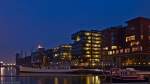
point(44, 70)
point(127, 76)
point(57, 70)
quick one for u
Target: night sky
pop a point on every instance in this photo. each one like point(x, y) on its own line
point(26, 23)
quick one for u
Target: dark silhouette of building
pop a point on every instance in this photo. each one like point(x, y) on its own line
point(23, 60)
point(39, 57)
point(113, 44)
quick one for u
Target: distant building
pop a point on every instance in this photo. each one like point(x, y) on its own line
point(65, 52)
point(23, 60)
point(39, 57)
point(86, 49)
point(61, 54)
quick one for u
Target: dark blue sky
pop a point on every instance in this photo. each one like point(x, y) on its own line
point(26, 23)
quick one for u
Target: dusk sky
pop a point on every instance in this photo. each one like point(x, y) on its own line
point(26, 23)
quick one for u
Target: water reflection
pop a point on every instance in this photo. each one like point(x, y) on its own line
point(8, 76)
point(2, 73)
point(59, 79)
point(93, 80)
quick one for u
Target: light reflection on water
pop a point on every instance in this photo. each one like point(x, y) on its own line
point(8, 76)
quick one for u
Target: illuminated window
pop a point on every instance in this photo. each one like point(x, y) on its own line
point(141, 48)
point(97, 38)
point(138, 48)
point(144, 63)
point(134, 49)
point(96, 34)
point(86, 48)
point(96, 49)
point(96, 55)
point(117, 51)
point(88, 52)
point(134, 43)
point(141, 36)
point(109, 52)
point(87, 34)
point(78, 38)
point(66, 46)
point(121, 50)
point(105, 48)
point(89, 41)
point(87, 45)
point(130, 38)
point(56, 55)
point(97, 60)
point(148, 37)
point(113, 47)
point(65, 53)
point(127, 50)
point(97, 41)
point(96, 45)
point(88, 55)
point(113, 52)
point(89, 37)
point(95, 52)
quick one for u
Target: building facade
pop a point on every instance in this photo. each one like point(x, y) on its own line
point(112, 45)
point(86, 49)
point(60, 54)
point(137, 43)
point(128, 46)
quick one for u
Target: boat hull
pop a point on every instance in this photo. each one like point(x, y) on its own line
point(76, 71)
point(41, 70)
point(120, 80)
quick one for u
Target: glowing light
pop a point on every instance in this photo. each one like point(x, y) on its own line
point(97, 42)
point(130, 38)
point(56, 80)
point(78, 38)
point(87, 34)
point(39, 46)
point(86, 48)
point(89, 41)
point(2, 74)
point(87, 44)
point(113, 47)
point(144, 63)
point(1, 62)
point(88, 55)
point(106, 48)
point(93, 64)
point(139, 63)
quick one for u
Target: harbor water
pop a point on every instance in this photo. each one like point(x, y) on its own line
point(10, 76)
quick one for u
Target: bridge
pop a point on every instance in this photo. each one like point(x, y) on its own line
point(2, 64)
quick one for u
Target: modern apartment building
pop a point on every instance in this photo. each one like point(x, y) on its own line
point(86, 49)
point(60, 54)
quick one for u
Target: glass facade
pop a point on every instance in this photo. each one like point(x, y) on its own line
point(88, 49)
